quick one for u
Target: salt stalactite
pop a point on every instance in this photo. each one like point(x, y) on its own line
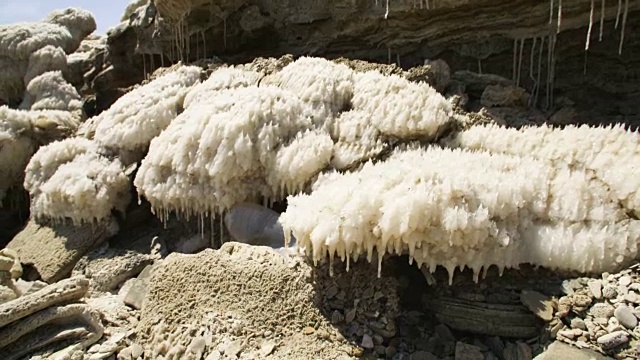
point(515, 59)
point(624, 24)
point(551, 57)
point(539, 77)
point(386, 14)
point(618, 13)
point(204, 45)
point(588, 42)
point(551, 60)
point(144, 67)
point(197, 47)
point(601, 20)
point(520, 62)
point(559, 16)
point(531, 63)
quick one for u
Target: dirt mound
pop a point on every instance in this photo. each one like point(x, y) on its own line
point(241, 302)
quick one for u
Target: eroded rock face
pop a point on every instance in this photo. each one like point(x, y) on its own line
point(508, 38)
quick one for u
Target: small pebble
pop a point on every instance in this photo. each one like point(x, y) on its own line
point(524, 351)
point(555, 329)
point(595, 286)
point(632, 297)
point(609, 292)
point(367, 342)
point(625, 280)
point(614, 339)
point(567, 333)
point(625, 316)
point(267, 347)
point(136, 350)
point(614, 325)
point(601, 310)
point(581, 300)
point(577, 323)
point(390, 351)
point(444, 332)
point(467, 352)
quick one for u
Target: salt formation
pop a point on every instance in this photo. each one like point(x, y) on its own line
point(50, 91)
point(355, 140)
point(238, 141)
point(21, 42)
point(72, 179)
point(326, 86)
point(224, 78)
point(460, 208)
point(48, 58)
point(400, 108)
point(608, 152)
point(239, 146)
point(15, 149)
point(21, 132)
point(140, 115)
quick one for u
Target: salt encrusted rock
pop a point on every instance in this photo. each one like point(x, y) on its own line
point(126, 125)
point(604, 151)
point(20, 44)
point(21, 132)
point(273, 153)
point(74, 179)
point(426, 184)
point(50, 91)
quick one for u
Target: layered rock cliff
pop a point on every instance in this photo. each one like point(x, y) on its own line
point(539, 45)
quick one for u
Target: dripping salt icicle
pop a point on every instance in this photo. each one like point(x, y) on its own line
point(624, 24)
point(601, 20)
point(588, 42)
